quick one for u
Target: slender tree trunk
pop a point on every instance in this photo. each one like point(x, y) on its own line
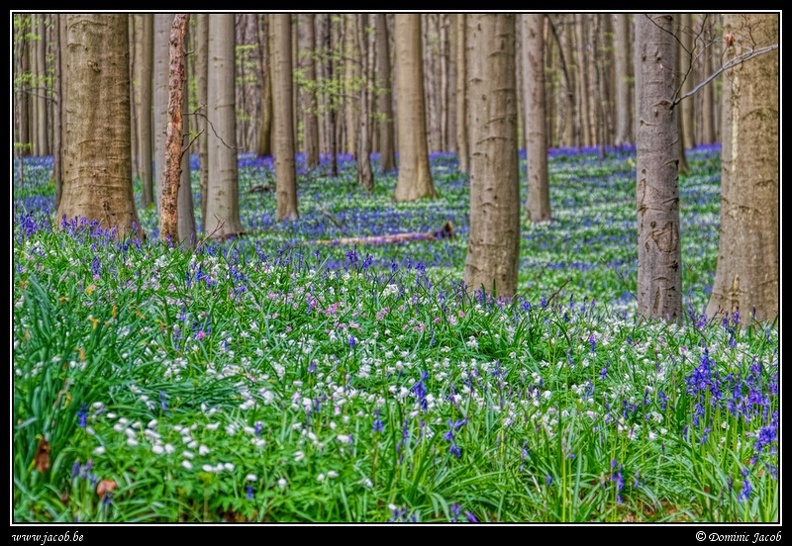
point(443, 87)
point(747, 274)
point(177, 76)
point(624, 122)
point(415, 179)
point(461, 95)
point(57, 118)
point(98, 183)
point(41, 95)
point(144, 69)
point(494, 240)
point(333, 109)
point(222, 204)
point(365, 174)
point(538, 205)
point(385, 98)
point(285, 178)
point(24, 144)
point(188, 232)
point(265, 129)
point(680, 72)
point(707, 93)
point(201, 75)
point(686, 70)
point(451, 98)
point(162, 24)
point(582, 65)
point(134, 99)
point(659, 253)
point(309, 106)
point(351, 75)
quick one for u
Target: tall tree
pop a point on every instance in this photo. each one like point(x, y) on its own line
point(747, 274)
point(624, 124)
point(538, 204)
point(308, 104)
point(366, 46)
point(494, 239)
point(686, 57)
point(659, 252)
point(201, 75)
point(97, 181)
point(162, 25)
point(415, 179)
point(57, 118)
point(385, 96)
point(461, 95)
point(144, 70)
point(285, 176)
point(222, 205)
point(682, 62)
point(351, 83)
point(264, 147)
point(42, 88)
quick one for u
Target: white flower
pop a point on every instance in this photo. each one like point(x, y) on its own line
point(169, 448)
point(251, 477)
point(258, 442)
point(188, 454)
point(343, 438)
point(320, 478)
point(158, 449)
point(131, 442)
point(99, 450)
point(203, 450)
point(152, 424)
point(212, 426)
point(298, 456)
point(229, 466)
point(187, 465)
point(282, 483)
point(332, 474)
point(207, 468)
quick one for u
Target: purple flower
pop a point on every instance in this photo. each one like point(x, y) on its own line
point(548, 480)
point(352, 342)
point(249, 489)
point(455, 451)
point(83, 415)
point(471, 517)
point(378, 426)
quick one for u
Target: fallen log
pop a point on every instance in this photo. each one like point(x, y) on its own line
point(445, 232)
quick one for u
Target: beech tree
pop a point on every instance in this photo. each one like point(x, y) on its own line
point(415, 179)
point(747, 274)
point(285, 176)
point(494, 238)
point(659, 250)
point(97, 182)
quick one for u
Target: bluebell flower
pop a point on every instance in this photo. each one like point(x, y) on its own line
point(82, 414)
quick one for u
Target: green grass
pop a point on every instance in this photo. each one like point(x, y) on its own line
point(272, 379)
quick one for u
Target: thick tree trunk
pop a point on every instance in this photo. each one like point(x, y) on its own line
point(222, 206)
point(461, 95)
point(747, 275)
point(98, 180)
point(538, 204)
point(285, 178)
point(415, 179)
point(494, 238)
point(659, 252)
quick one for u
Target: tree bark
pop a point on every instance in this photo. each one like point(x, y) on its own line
point(98, 180)
point(624, 124)
point(57, 118)
point(461, 95)
point(351, 84)
point(538, 204)
point(414, 180)
point(285, 177)
point(265, 129)
point(494, 239)
point(222, 206)
point(308, 95)
point(659, 253)
point(143, 75)
point(162, 24)
point(385, 97)
point(747, 274)
point(201, 75)
point(365, 174)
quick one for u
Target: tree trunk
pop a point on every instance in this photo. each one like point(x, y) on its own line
point(162, 25)
point(686, 71)
point(659, 253)
point(581, 52)
point(222, 206)
point(351, 75)
point(461, 95)
point(134, 99)
point(364, 172)
point(747, 274)
point(144, 69)
point(285, 178)
point(415, 179)
point(265, 129)
point(538, 205)
point(201, 75)
point(707, 93)
point(98, 180)
point(57, 118)
point(494, 239)
point(41, 88)
point(681, 61)
point(624, 124)
point(385, 96)
point(308, 95)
